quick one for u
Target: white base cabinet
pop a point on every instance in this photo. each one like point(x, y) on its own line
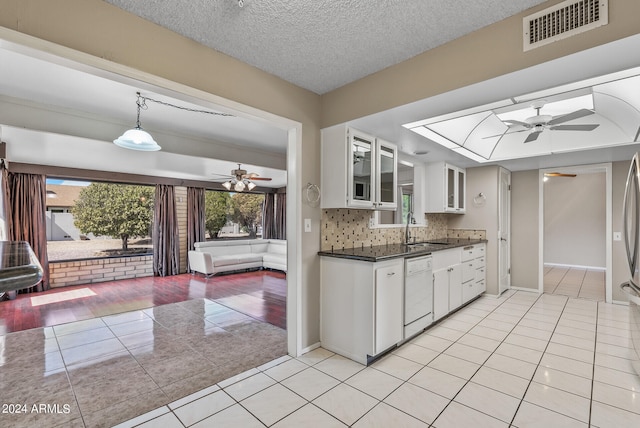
point(458, 277)
point(474, 268)
point(361, 306)
point(447, 282)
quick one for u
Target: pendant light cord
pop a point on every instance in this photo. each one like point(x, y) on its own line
point(142, 104)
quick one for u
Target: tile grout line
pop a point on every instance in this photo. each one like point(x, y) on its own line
point(66, 371)
point(481, 365)
point(541, 356)
point(593, 368)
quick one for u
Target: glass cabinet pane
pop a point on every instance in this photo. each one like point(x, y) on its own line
point(361, 153)
point(387, 170)
point(460, 190)
point(451, 188)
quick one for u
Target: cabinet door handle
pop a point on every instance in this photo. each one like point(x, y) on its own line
point(391, 273)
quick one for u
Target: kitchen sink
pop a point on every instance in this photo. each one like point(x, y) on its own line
point(418, 244)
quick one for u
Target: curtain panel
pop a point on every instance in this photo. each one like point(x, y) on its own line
point(195, 216)
point(268, 217)
point(4, 201)
point(281, 216)
point(26, 218)
point(166, 249)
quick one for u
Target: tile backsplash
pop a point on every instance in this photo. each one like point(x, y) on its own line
point(349, 228)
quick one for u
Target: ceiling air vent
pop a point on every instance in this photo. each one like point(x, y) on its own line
point(563, 20)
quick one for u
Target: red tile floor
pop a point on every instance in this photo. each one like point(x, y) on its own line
point(259, 294)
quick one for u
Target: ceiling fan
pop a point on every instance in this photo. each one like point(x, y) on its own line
point(240, 179)
point(538, 123)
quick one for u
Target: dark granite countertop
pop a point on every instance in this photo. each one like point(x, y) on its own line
point(386, 252)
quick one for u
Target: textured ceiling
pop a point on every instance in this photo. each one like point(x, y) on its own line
point(321, 45)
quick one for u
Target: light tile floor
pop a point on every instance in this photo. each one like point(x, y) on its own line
point(521, 360)
point(575, 282)
point(102, 371)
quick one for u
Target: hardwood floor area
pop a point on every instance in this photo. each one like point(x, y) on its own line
point(259, 294)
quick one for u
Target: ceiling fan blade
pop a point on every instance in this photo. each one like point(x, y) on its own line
point(505, 133)
point(223, 175)
point(260, 178)
point(589, 127)
point(517, 122)
point(570, 116)
point(532, 136)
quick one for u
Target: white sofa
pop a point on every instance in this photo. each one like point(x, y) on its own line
point(213, 257)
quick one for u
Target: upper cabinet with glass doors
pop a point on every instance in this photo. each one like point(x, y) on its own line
point(445, 186)
point(358, 170)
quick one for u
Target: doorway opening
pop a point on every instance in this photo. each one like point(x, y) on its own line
point(575, 216)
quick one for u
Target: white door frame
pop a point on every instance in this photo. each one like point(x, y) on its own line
point(595, 168)
point(504, 234)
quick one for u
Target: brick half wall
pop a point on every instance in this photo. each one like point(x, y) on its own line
point(91, 271)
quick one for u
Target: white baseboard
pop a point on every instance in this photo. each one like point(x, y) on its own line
point(619, 302)
point(560, 265)
point(530, 290)
point(309, 348)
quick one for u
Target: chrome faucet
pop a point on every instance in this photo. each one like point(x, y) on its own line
point(407, 235)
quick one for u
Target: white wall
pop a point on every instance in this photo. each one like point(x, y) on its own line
point(524, 229)
point(575, 220)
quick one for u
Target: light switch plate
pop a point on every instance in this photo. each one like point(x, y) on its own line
point(617, 236)
point(307, 225)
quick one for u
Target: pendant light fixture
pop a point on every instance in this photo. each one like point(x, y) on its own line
point(137, 138)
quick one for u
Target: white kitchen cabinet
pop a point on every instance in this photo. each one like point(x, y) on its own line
point(446, 188)
point(389, 301)
point(361, 306)
point(358, 170)
point(447, 281)
point(474, 268)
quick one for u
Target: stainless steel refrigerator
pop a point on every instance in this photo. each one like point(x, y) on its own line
point(631, 225)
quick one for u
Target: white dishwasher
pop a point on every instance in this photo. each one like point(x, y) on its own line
point(418, 295)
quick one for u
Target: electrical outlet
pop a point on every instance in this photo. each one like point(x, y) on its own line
point(371, 223)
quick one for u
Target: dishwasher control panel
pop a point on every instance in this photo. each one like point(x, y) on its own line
point(417, 264)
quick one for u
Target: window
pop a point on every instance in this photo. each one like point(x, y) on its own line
point(97, 219)
point(233, 215)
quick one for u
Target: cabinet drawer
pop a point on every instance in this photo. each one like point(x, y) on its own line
point(481, 287)
point(480, 262)
point(480, 274)
point(469, 291)
point(468, 253)
point(468, 271)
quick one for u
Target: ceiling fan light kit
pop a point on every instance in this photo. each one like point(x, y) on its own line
point(241, 180)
